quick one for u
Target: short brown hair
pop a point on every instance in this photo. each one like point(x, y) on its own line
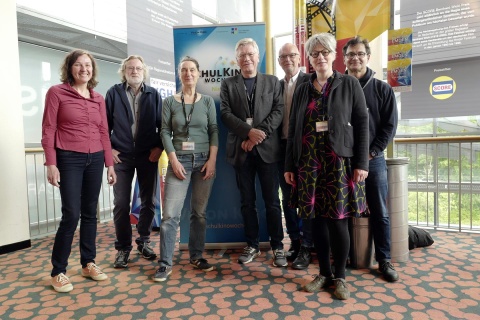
point(185, 59)
point(354, 41)
point(66, 72)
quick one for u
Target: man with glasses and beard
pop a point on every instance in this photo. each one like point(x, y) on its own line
point(134, 113)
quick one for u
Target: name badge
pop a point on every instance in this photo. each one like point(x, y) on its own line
point(321, 126)
point(188, 146)
point(250, 121)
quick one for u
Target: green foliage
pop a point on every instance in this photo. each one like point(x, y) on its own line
point(443, 184)
point(450, 210)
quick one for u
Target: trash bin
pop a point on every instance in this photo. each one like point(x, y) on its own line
point(397, 204)
point(362, 251)
point(361, 243)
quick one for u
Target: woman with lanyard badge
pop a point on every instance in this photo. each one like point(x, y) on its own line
point(326, 159)
point(190, 137)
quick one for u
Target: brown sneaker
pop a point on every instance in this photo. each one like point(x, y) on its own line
point(341, 289)
point(61, 283)
point(94, 272)
point(318, 283)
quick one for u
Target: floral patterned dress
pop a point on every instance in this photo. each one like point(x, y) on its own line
point(325, 183)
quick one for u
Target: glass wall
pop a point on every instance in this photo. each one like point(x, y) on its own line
point(39, 70)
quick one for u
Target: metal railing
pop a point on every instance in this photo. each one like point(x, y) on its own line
point(443, 181)
point(44, 205)
point(443, 185)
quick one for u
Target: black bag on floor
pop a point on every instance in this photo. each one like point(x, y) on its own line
point(418, 238)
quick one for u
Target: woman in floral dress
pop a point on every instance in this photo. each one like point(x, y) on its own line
point(327, 159)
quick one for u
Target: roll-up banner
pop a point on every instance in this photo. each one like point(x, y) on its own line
point(149, 25)
point(214, 48)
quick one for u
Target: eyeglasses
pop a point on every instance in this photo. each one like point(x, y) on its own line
point(285, 56)
point(352, 55)
point(324, 53)
point(243, 56)
point(134, 68)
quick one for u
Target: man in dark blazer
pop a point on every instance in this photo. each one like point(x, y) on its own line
point(252, 110)
point(300, 232)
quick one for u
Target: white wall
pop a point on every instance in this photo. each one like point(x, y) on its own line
point(13, 184)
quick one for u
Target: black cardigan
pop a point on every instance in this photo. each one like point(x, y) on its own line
point(347, 121)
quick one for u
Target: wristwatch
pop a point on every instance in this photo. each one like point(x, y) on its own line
point(373, 153)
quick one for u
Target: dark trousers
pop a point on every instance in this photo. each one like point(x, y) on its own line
point(147, 172)
point(329, 233)
point(297, 228)
point(268, 176)
point(80, 181)
point(376, 189)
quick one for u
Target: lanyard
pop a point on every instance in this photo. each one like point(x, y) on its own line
point(188, 118)
point(250, 98)
point(324, 94)
point(325, 91)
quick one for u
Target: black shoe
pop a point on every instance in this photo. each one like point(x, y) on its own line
point(121, 259)
point(202, 264)
point(292, 253)
point(146, 251)
point(303, 259)
point(388, 271)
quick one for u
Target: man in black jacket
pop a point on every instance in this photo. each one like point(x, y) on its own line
point(300, 232)
point(134, 113)
point(383, 118)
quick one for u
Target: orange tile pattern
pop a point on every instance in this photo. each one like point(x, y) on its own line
point(439, 282)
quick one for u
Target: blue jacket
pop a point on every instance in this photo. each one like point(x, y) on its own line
point(120, 120)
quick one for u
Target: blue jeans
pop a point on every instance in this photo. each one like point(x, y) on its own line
point(268, 176)
point(80, 181)
point(297, 228)
point(376, 188)
point(175, 193)
point(147, 172)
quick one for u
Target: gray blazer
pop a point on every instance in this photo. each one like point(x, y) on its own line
point(268, 116)
point(302, 77)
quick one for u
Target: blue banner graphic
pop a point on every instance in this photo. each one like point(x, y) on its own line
point(214, 48)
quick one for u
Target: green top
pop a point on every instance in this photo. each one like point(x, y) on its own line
point(203, 126)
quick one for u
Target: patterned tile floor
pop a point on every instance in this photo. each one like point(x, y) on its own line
point(439, 282)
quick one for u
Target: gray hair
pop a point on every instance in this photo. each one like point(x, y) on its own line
point(325, 39)
point(247, 41)
point(123, 66)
